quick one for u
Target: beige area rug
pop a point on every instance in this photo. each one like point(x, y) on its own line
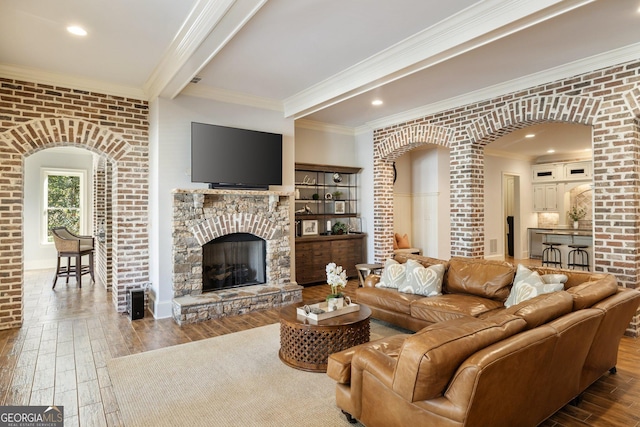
point(231, 380)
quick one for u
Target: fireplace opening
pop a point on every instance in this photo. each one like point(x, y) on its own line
point(233, 260)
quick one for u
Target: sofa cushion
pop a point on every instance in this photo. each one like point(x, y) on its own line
point(422, 280)
point(393, 275)
point(528, 284)
point(542, 308)
point(426, 261)
point(339, 364)
point(489, 279)
point(386, 299)
point(554, 278)
point(402, 241)
point(429, 358)
point(451, 306)
point(589, 293)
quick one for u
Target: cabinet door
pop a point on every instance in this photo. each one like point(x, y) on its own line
point(347, 253)
point(311, 261)
point(544, 172)
point(551, 197)
point(545, 197)
point(577, 171)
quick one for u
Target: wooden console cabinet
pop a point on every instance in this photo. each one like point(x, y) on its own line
point(314, 253)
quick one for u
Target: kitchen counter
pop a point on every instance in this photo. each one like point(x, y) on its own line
point(566, 232)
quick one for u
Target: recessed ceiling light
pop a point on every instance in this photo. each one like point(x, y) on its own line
point(551, 151)
point(376, 102)
point(530, 135)
point(76, 30)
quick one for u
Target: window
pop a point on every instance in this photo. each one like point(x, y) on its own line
point(64, 201)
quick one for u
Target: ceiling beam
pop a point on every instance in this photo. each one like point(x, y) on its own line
point(473, 27)
point(207, 29)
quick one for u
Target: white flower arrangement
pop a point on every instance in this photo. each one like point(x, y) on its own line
point(336, 278)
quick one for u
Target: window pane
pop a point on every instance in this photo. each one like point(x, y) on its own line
point(63, 203)
point(64, 191)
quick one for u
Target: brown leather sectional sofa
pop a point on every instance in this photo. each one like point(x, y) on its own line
point(474, 362)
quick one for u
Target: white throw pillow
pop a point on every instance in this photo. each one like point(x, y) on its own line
point(528, 284)
point(423, 280)
point(393, 275)
point(554, 278)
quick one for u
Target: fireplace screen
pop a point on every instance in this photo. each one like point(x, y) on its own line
point(234, 260)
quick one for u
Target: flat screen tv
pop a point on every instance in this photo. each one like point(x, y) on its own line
point(226, 157)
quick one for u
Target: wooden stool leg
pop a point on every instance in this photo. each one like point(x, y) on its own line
point(91, 266)
point(55, 278)
point(68, 269)
point(79, 270)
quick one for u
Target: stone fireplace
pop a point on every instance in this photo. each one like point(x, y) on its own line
point(231, 253)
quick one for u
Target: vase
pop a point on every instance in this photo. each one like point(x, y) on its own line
point(576, 224)
point(334, 304)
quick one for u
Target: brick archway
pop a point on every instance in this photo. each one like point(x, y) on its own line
point(384, 154)
point(24, 139)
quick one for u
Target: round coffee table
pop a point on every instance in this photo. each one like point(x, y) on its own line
point(306, 344)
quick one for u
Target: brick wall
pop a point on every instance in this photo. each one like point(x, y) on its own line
point(607, 99)
point(36, 116)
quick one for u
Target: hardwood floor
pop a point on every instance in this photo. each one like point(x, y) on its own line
point(59, 355)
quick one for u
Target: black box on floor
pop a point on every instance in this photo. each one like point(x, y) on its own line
point(136, 305)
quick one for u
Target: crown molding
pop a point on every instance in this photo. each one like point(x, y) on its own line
point(473, 27)
point(324, 127)
point(231, 97)
point(55, 79)
point(208, 28)
point(586, 65)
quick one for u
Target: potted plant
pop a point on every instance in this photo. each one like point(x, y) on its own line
point(576, 215)
point(337, 280)
point(339, 228)
point(337, 195)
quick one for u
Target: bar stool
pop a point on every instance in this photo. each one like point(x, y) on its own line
point(578, 257)
point(551, 255)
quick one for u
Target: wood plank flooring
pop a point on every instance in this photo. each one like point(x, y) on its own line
point(59, 355)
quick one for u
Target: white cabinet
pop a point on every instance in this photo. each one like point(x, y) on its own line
point(545, 197)
point(545, 172)
point(577, 171)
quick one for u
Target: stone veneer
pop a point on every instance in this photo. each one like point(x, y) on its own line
point(202, 215)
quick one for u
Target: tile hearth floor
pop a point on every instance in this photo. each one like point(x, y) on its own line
point(60, 353)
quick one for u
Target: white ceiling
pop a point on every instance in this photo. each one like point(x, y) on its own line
point(318, 60)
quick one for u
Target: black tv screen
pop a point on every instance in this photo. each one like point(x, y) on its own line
point(230, 157)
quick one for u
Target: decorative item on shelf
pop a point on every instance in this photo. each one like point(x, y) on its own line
point(576, 215)
point(339, 228)
point(337, 178)
point(337, 195)
point(327, 196)
point(315, 196)
point(339, 206)
point(337, 280)
point(308, 181)
point(309, 227)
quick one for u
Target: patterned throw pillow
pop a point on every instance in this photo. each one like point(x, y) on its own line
point(528, 284)
point(554, 278)
point(393, 275)
point(423, 280)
